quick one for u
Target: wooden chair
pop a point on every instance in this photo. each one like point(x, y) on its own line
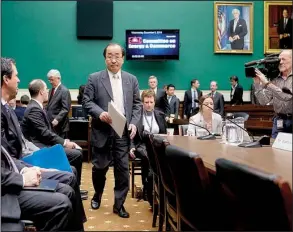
point(193, 191)
point(158, 194)
point(255, 201)
point(170, 206)
point(134, 169)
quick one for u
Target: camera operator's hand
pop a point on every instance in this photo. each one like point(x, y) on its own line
point(262, 78)
point(281, 36)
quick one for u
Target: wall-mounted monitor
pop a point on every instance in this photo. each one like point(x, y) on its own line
point(152, 44)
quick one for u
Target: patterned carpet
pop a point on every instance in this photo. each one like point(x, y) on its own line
point(104, 219)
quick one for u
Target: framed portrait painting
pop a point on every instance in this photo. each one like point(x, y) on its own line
point(233, 27)
point(278, 18)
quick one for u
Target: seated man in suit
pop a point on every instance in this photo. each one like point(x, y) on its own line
point(236, 93)
point(60, 206)
point(218, 98)
point(152, 121)
point(12, 138)
point(59, 104)
point(161, 96)
point(190, 106)
point(19, 110)
point(173, 101)
point(37, 128)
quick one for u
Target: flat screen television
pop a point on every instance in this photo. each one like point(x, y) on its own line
point(152, 44)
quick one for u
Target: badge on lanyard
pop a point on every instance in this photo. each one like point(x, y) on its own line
point(280, 124)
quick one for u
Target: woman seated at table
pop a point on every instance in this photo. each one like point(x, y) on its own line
point(152, 121)
point(205, 118)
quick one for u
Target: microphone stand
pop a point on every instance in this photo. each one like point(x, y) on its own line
point(246, 145)
point(210, 136)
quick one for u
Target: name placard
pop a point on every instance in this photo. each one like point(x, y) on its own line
point(283, 141)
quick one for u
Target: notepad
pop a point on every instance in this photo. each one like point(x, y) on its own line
point(45, 185)
point(51, 157)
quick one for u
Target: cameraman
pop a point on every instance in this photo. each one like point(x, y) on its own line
point(265, 91)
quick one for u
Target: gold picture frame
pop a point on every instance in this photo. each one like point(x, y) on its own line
point(233, 36)
point(273, 15)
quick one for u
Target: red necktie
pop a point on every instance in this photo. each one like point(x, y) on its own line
point(52, 93)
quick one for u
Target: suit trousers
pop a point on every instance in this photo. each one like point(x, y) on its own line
point(48, 210)
point(71, 180)
point(116, 151)
point(75, 159)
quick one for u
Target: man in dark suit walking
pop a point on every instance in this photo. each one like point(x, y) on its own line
point(236, 94)
point(173, 101)
point(217, 97)
point(190, 106)
point(285, 31)
point(122, 88)
point(236, 31)
point(161, 96)
point(59, 104)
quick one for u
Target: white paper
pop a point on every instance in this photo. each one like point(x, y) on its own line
point(118, 119)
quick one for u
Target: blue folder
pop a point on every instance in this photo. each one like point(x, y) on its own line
point(51, 157)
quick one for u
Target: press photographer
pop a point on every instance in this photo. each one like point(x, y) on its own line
point(279, 91)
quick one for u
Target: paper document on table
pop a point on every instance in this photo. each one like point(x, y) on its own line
point(118, 119)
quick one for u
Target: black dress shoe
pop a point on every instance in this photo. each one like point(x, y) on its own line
point(84, 197)
point(83, 192)
point(95, 204)
point(121, 212)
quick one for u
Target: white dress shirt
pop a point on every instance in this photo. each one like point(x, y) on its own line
point(235, 24)
point(150, 124)
point(117, 90)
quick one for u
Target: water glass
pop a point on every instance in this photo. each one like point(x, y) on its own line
point(234, 134)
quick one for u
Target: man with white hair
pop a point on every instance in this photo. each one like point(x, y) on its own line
point(236, 31)
point(59, 104)
point(267, 91)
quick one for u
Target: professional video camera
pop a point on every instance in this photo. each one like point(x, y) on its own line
point(269, 66)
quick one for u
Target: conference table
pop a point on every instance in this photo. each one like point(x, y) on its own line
point(266, 158)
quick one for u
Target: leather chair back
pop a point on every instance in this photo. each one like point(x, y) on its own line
point(254, 200)
point(192, 188)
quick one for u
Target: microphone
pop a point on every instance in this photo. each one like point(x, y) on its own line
point(210, 136)
point(262, 61)
point(286, 90)
point(246, 145)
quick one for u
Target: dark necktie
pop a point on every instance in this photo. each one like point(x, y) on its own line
point(8, 109)
point(52, 93)
point(285, 22)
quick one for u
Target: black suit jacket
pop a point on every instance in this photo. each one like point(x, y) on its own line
point(11, 185)
point(37, 128)
point(19, 111)
point(240, 30)
point(218, 103)
point(174, 106)
point(98, 93)
point(188, 101)
point(162, 102)
point(11, 132)
point(58, 108)
point(285, 42)
point(237, 98)
point(160, 119)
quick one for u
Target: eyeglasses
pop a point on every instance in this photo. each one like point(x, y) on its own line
point(113, 57)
